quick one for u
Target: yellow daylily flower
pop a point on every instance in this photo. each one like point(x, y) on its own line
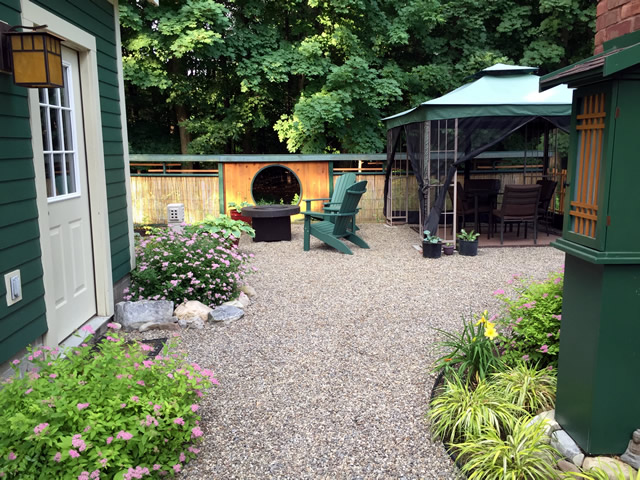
point(482, 320)
point(491, 333)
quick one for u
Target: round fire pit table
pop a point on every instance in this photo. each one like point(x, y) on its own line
point(271, 222)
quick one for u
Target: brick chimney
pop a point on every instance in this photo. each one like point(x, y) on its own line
point(614, 19)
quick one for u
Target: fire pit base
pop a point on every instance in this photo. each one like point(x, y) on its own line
point(272, 223)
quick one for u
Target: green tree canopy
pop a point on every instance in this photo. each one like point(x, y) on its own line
point(313, 76)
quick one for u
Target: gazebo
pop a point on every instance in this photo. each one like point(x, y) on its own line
point(443, 133)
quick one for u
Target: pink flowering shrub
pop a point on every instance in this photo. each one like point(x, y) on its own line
point(531, 321)
point(108, 412)
point(195, 266)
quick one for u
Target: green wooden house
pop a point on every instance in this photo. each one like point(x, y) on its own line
point(65, 228)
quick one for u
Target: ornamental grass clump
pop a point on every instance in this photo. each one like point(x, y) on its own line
point(527, 386)
point(107, 411)
point(191, 266)
point(531, 323)
point(460, 412)
point(520, 454)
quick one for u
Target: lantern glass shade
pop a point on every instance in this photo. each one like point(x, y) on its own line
point(37, 59)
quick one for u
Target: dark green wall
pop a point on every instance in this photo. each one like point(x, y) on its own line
point(96, 17)
point(23, 322)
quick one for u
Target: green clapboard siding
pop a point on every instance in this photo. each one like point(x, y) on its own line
point(96, 17)
point(22, 323)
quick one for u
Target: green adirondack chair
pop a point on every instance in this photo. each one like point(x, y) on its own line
point(343, 225)
point(332, 205)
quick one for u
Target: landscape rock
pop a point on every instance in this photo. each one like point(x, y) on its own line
point(192, 322)
point(192, 308)
point(171, 326)
point(132, 315)
point(244, 299)
point(249, 291)
point(569, 449)
point(548, 418)
point(568, 467)
point(234, 303)
point(226, 314)
point(612, 467)
point(632, 454)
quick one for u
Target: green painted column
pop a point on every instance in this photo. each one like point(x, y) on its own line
point(598, 378)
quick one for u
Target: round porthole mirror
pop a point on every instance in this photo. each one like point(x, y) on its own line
point(275, 184)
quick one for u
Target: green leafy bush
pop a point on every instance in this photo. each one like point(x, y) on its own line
point(520, 454)
point(472, 354)
point(194, 266)
point(531, 324)
point(108, 411)
point(460, 412)
point(527, 386)
point(225, 227)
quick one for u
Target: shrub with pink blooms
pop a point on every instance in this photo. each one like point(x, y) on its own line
point(105, 411)
point(531, 321)
point(196, 266)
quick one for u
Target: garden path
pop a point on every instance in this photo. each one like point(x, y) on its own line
point(327, 374)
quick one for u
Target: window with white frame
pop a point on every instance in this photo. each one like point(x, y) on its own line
point(59, 139)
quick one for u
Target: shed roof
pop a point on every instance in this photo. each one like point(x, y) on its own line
point(619, 54)
point(500, 91)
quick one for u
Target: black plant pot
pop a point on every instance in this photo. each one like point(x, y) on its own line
point(448, 249)
point(469, 249)
point(431, 250)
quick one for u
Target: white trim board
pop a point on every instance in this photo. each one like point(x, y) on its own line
point(85, 44)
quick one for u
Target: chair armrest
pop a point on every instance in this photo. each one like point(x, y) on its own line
point(328, 215)
point(309, 200)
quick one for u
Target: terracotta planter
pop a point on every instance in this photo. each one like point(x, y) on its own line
point(233, 213)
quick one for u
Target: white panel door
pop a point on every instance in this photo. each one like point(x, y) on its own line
point(73, 280)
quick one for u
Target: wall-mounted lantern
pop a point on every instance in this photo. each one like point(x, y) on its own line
point(34, 56)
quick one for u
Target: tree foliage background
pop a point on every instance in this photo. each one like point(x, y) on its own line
point(314, 76)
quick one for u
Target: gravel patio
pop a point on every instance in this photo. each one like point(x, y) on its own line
point(328, 373)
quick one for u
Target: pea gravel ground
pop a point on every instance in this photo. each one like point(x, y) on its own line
point(327, 374)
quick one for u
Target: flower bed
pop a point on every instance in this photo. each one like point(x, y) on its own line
point(195, 265)
point(106, 413)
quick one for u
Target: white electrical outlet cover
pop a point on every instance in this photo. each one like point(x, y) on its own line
point(13, 284)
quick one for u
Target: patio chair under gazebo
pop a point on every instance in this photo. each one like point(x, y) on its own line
point(445, 132)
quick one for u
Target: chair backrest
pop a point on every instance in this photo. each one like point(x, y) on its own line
point(343, 182)
point(546, 194)
point(490, 185)
point(463, 205)
point(521, 200)
point(349, 205)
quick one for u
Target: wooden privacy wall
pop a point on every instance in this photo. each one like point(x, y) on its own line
point(373, 200)
point(150, 196)
point(313, 178)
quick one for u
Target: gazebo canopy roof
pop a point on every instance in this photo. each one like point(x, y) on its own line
point(500, 91)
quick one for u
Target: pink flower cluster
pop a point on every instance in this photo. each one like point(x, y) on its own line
point(126, 436)
point(40, 428)
point(137, 472)
point(82, 406)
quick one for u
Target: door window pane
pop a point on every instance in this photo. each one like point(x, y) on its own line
point(58, 138)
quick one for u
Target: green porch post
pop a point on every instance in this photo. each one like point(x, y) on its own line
point(598, 380)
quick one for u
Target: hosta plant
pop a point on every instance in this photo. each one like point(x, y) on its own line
point(107, 412)
point(519, 454)
point(527, 386)
point(459, 412)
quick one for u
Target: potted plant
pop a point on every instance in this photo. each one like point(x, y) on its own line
point(236, 211)
point(431, 245)
point(447, 248)
point(468, 243)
